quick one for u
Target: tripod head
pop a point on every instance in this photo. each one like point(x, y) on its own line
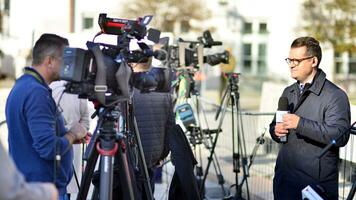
point(108, 116)
point(232, 89)
point(233, 81)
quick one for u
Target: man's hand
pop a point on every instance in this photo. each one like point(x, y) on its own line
point(280, 130)
point(290, 121)
point(75, 133)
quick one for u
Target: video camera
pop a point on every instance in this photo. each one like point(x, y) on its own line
point(102, 72)
point(190, 53)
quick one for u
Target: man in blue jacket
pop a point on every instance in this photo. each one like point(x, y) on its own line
point(36, 130)
point(319, 113)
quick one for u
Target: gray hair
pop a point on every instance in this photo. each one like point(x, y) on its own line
point(48, 45)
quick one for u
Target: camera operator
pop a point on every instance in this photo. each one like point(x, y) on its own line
point(36, 129)
point(154, 115)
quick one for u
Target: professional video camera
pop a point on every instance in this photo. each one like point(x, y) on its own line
point(190, 53)
point(102, 72)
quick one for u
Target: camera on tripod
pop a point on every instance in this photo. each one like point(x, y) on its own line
point(190, 53)
point(102, 72)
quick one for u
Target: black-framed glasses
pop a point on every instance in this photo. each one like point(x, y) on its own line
point(295, 61)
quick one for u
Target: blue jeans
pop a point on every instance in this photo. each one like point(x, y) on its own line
point(63, 197)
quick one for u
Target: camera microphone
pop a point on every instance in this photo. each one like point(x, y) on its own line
point(282, 110)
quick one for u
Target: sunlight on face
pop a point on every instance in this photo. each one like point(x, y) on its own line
point(304, 71)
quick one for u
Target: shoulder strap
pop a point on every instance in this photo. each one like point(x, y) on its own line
point(34, 74)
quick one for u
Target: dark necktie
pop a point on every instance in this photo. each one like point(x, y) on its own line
point(301, 88)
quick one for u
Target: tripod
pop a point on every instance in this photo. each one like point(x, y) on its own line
point(197, 135)
point(118, 143)
point(352, 191)
point(239, 148)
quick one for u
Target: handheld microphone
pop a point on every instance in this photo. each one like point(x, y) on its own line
point(282, 110)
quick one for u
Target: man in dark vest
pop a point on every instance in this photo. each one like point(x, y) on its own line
point(154, 116)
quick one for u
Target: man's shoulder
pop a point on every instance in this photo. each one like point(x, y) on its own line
point(30, 84)
point(25, 87)
point(333, 89)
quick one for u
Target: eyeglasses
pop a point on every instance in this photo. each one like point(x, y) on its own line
point(295, 61)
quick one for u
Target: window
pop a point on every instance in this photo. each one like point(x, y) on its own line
point(247, 57)
point(352, 64)
point(247, 27)
point(247, 49)
point(262, 50)
point(345, 63)
point(262, 55)
point(262, 28)
point(7, 6)
point(185, 26)
point(168, 26)
point(338, 63)
point(88, 22)
point(352, 68)
point(338, 68)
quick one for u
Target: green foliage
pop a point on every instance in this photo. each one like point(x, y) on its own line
point(166, 12)
point(332, 21)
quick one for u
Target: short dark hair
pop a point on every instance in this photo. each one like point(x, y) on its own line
point(312, 45)
point(48, 45)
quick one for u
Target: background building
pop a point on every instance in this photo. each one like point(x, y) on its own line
point(259, 33)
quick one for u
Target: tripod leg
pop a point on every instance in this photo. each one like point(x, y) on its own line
point(225, 102)
point(218, 173)
point(95, 195)
point(87, 175)
point(126, 182)
point(352, 191)
point(221, 103)
point(106, 176)
point(208, 142)
point(241, 149)
point(143, 166)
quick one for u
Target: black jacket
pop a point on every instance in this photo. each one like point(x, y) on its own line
point(324, 113)
point(154, 116)
point(183, 185)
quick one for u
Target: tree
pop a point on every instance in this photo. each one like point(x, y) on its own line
point(332, 21)
point(169, 15)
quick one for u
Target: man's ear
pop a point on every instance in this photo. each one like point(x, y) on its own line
point(315, 61)
point(49, 61)
point(46, 60)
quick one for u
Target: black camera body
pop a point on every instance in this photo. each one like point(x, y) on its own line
point(102, 72)
point(190, 53)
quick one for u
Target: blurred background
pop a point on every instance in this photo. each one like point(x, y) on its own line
point(257, 33)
